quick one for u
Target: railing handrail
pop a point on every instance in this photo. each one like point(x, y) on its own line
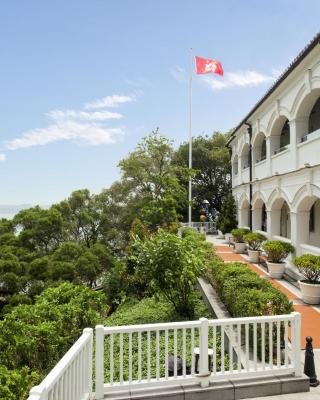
point(57, 371)
point(150, 327)
point(194, 324)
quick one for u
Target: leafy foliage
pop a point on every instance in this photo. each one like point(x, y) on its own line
point(277, 251)
point(309, 266)
point(254, 240)
point(15, 384)
point(211, 162)
point(227, 219)
point(171, 266)
point(239, 234)
point(254, 296)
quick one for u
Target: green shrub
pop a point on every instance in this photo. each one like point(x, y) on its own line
point(244, 293)
point(277, 251)
point(309, 266)
point(254, 240)
point(238, 234)
point(15, 384)
point(171, 266)
point(227, 219)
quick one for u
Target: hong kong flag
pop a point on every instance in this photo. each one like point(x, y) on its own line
point(206, 66)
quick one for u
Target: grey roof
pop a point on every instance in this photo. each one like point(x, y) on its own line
point(303, 53)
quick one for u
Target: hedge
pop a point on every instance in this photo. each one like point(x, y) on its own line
point(244, 293)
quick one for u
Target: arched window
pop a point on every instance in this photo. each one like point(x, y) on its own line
point(264, 218)
point(285, 135)
point(235, 165)
point(245, 157)
point(285, 223)
point(259, 149)
point(314, 118)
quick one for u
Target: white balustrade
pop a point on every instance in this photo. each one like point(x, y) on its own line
point(206, 227)
point(71, 378)
point(142, 355)
point(171, 353)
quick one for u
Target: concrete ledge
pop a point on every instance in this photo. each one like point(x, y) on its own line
point(233, 389)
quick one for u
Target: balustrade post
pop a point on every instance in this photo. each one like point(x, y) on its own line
point(99, 362)
point(296, 343)
point(37, 393)
point(204, 373)
point(89, 361)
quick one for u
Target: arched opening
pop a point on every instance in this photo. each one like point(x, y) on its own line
point(260, 148)
point(280, 218)
point(280, 135)
point(308, 221)
point(259, 216)
point(244, 214)
point(308, 117)
point(285, 221)
point(245, 157)
point(235, 165)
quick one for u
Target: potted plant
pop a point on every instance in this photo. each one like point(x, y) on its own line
point(309, 266)
point(276, 252)
point(254, 240)
point(238, 237)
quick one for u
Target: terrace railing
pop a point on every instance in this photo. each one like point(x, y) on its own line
point(207, 227)
point(164, 354)
point(204, 350)
point(71, 378)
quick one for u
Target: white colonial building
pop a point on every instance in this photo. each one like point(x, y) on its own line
point(276, 157)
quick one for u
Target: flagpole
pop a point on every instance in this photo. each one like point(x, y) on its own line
point(190, 141)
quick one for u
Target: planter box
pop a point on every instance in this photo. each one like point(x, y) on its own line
point(276, 270)
point(310, 292)
point(240, 248)
point(254, 256)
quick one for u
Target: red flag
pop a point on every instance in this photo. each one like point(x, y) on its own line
point(206, 66)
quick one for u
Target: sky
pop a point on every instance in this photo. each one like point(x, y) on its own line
point(83, 81)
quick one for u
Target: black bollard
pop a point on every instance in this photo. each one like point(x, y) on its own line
point(309, 368)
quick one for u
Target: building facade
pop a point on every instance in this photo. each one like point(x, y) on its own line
point(276, 158)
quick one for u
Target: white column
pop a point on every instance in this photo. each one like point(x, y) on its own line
point(299, 229)
point(297, 343)
point(274, 221)
point(257, 219)
point(204, 372)
point(268, 155)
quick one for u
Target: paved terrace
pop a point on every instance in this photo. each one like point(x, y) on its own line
point(310, 315)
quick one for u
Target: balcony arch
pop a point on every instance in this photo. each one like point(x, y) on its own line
point(245, 156)
point(280, 217)
point(244, 210)
point(308, 116)
point(235, 165)
point(280, 135)
point(259, 214)
point(259, 150)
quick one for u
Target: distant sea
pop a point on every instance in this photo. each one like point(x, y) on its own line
point(9, 211)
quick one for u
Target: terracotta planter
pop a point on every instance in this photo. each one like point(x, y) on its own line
point(240, 248)
point(254, 255)
point(310, 292)
point(276, 270)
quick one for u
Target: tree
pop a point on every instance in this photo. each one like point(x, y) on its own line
point(150, 182)
point(227, 219)
point(211, 162)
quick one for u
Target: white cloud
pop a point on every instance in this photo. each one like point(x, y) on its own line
point(89, 133)
point(237, 79)
point(110, 101)
point(83, 115)
point(178, 73)
point(2, 157)
point(75, 125)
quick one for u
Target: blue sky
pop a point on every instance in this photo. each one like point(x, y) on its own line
point(82, 81)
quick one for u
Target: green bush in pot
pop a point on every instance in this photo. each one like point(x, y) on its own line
point(309, 266)
point(254, 240)
point(238, 237)
point(277, 252)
